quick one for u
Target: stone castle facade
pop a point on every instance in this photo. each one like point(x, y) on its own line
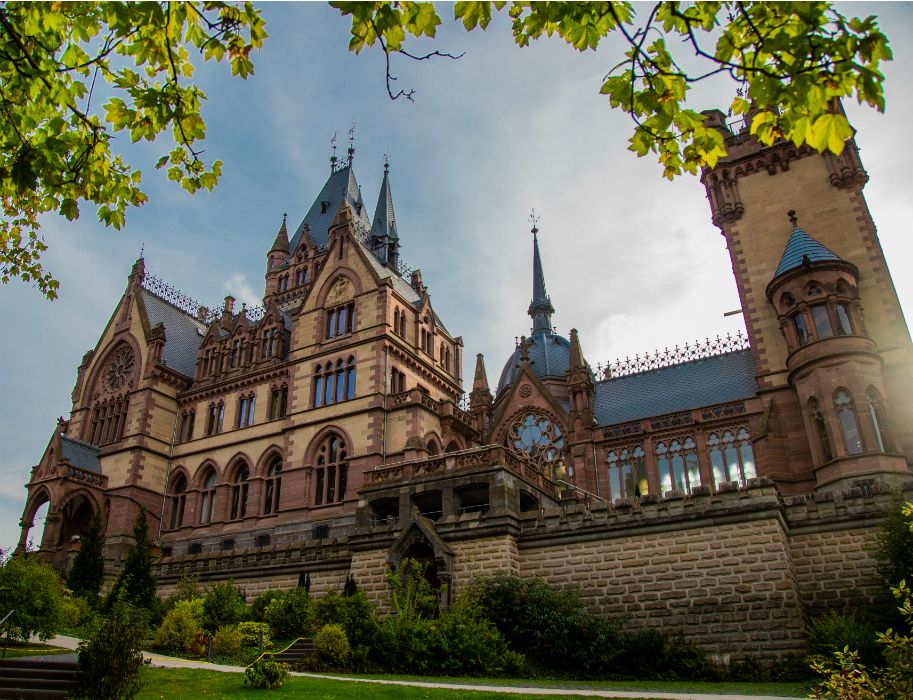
point(722, 492)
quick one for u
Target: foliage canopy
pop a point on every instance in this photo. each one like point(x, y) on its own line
point(57, 144)
point(88, 570)
point(790, 61)
point(34, 592)
point(136, 583)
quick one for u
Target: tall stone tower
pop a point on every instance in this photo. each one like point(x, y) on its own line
point(830, 345)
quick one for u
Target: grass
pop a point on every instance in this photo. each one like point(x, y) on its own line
point(33, 650)
point(182, 683)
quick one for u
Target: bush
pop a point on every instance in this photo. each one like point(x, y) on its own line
point(261, 602)
point(356, 616)
point(222, 606)
point(331, 646)
point(75, 612)
point(110, 660)
point(87, 572)
point(136, 583)
point(291, 615)
point(894, 546)
point(250, 634)
point(265, 674)
point(837, 630)
point(180, 628)
point(468, 644)
point(227, 641)
point(34, 590)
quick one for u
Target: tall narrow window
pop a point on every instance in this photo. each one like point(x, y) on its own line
point(732, 457)
point(178, 489)
point(239, 493)
point(842, 314)
point(396, 321)
point(318, 386)
point(350, 379)
point(397, 381)
point(271, 487)
point(334, 382)
point(678, 466)
point(208, 498)
point(246, 410)
point(822, 319)
point(824, 440)
point(278, 402)
point(235, 353)
point(187, 419)
point(627, 473)
point(876, 417)
point(214, 418)
point(402, 324)
point(340, 320)
point(801, 328)
point(332, 471)
point(849, 424)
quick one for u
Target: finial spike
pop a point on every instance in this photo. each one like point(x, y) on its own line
point(386, 162)
point(142, 248)
point(793, 219)
point(534, 220)
point(351, 150)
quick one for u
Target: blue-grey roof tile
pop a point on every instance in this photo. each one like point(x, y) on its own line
point(549, 355)
point(799, 246)
point(341, 185)
point(183, 333)
point(713, 380)
point(80, 454)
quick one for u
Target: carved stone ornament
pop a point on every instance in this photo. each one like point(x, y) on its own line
point(339, 293)
point(118, 370)
point(526, 391)
point(537, 439)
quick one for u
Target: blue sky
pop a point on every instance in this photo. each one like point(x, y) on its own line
point(631, 260)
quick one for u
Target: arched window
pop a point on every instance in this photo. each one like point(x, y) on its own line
point(849, 423)
point(678, 466)
point(824, 440)
point(208, 497)
point(318, 386)
point(842, 314)
point(402, 324)
point(272, 486)
point(178, 495)
point(876, 416)
point(246, 410)
point(108, 422)
point(801, 328)
point(334, 383)
point(270, 345)
point(239, 493)
point(627, 473)
point(396, 321)
point(332, 471)
point(732, 457)
point(340, 320)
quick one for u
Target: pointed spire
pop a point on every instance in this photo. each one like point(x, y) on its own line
point(384, 224)
point(137, 273)
point(281, 242)
point(480, 381)
point(575, 361)
point(540, 308)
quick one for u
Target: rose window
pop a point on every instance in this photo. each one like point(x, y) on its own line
point(537, 439)
point(119, 369)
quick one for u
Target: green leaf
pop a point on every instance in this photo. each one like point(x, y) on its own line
point(830, 132)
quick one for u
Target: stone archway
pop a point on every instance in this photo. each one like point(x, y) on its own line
point(420, 541)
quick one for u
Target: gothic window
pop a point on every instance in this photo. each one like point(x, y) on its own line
point(278, 402)
point(178, 495)
point(207, 360)
point(678, 466)
point(731, 457)
point(801, 328)
point(187, 420)
point(246, 410)
point(842, 314)
point(270, 343)
point(397, 381)
point(823, 327)
point(876, 417)
point(332, 471)
point(446, 359)
point(627, 473)
point(108, 421)
point(272, 486)
point(239, 493)
point(539, 440)
point(119, 369)
point(402, 324)
point(208, 497)
point(821, 430)
point(214, 418)
point(849, 423)
point(396, 321)
point(235, 357)
point(340, 320)
point(334, 383)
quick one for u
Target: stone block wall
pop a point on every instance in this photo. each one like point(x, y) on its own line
point(369, 567)
point(483, 557)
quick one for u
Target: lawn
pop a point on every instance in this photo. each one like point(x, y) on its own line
point(33, 650)
point(182, 683)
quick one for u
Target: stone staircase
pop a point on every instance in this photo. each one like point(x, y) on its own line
point(301, 649)
point(37, 677)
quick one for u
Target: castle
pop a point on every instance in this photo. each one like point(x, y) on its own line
point(723, 491)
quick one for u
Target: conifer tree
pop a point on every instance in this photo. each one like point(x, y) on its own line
point(136, 583)
point(88, 570)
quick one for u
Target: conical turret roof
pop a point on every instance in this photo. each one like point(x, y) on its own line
point(801, 246)
point(384, 225)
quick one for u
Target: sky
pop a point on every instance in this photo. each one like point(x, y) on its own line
point(631, 260)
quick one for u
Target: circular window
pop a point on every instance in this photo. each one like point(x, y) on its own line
point(118, 370)
point(537, 439)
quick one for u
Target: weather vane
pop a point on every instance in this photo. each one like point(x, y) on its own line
point(386, 162)
point(534, 220)
point(351, 150)
point(333, 156)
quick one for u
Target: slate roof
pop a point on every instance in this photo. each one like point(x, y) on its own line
point(183, 333)
point(705, 382)
point(549, 356)
point(341, 185)
point(79, 454)
point(799, 246)
point(384, 218)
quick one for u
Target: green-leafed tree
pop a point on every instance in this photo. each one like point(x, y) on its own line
point(56, 140)
point(33, 592)
point(88, 570)
point(135, 584)
point(790, 62)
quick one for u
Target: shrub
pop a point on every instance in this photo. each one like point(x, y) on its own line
point(291, 615)
point(110, 659)
point(258, 607)
point(88, 570)
point(250, 634)
point(227, 641)
point(75, 611)
point(34, 590)
point(894, 546)
point(222, 606)
point(265, 674)
point(180, 628)
point(836, 630)
point(469, 644)
point(331, 646)
point(354, 613)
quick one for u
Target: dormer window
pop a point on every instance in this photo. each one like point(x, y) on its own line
point(324, 207)
point(270, 344)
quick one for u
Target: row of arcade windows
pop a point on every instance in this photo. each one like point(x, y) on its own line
point(278, 406)
point(282, 283)
point(332, 472)
point(334, 383)
point(341, 320)
point(677, 465)
point(269, 343)
point(397, 381)
point(187, 420)
point(108, 421)
point(849, 426)
point(399, 322)
point(820, 321)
